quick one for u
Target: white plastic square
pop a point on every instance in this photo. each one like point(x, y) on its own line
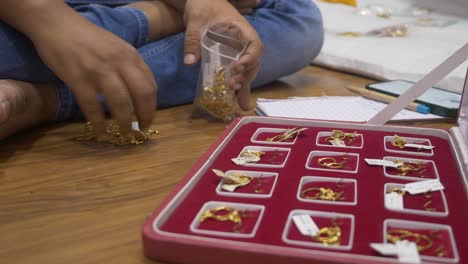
point(258, 190)
point(291, 234)
point(409, 151)
point(429, 173)
point(275, 157)
point(353, 158)
point(325, 134)
point(421, 227)
point(337, 184)
point(429, 199)
point(273, 131)
point(195, 227)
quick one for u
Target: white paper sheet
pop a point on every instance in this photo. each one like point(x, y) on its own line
point(337, 108)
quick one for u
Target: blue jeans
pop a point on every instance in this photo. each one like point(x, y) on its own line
point(291, 31)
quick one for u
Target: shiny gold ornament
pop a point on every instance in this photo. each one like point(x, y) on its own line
point(326, 194)
point(135, 137)
point(287, 134)
point(218, 99)
point(398, 141)
point(423, 242)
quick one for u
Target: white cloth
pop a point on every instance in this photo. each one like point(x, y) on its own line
point(406, 58)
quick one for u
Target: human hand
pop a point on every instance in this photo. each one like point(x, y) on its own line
point(93, 61)
point(199, 14)
point(245, 7)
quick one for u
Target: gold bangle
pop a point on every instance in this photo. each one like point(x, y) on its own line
point(322, 161)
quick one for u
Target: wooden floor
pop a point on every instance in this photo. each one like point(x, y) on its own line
point(62, 201)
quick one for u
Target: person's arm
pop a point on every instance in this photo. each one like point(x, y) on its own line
point(198, 14)
point(89, 59)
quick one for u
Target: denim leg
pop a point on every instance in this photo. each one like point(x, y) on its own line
point(292, 34)
point(128, 23)
point(18, 58)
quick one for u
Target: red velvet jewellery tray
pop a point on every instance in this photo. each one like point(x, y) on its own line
point(289, 173)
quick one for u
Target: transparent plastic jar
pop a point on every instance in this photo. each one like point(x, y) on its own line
point(221, 47)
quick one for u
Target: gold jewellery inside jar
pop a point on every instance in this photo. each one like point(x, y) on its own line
point(225, 213)
point(423, 242)
point(218, 99)
point(114, 135)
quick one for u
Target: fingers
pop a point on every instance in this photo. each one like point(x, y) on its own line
point(142, 88)
point(245, 11)
point(241, 4)
point(119, 101)
point(192, 47)
point(91, 108)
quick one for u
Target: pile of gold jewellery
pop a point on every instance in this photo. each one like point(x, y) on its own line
point(218, 99)
point(404, 168)
point(398, 141)
point(326, 194)
point(329, 235)
point(135, 137)
point(423, 242)
point(224, 213)
point(288, 134)
point(339, 137)
point(332, 163)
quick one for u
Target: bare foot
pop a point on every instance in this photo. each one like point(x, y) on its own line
point(164, 20)
point(24, 105)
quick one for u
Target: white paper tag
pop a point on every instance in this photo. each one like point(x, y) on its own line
point(385, 249)
point(135, 126)
point(423, 186)
point(407, 252)
point(337, 142)
point(219, 173)
point(306, 225)
point(419, 146)
point(244, 160)
point(379, 162)
point(394, 200)
point(229, 187)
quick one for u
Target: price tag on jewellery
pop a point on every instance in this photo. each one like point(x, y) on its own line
point(233, 187)
point(337, 142)
point(385, 249)
point(219, 173)
point(244, 160)
point(418, 146)
point(394, 200)
point(135, 126)
point(306, 225)
point(385, 163)
point(423, 186)
point(406, 251)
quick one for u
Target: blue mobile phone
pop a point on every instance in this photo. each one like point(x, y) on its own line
point(441, 102)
